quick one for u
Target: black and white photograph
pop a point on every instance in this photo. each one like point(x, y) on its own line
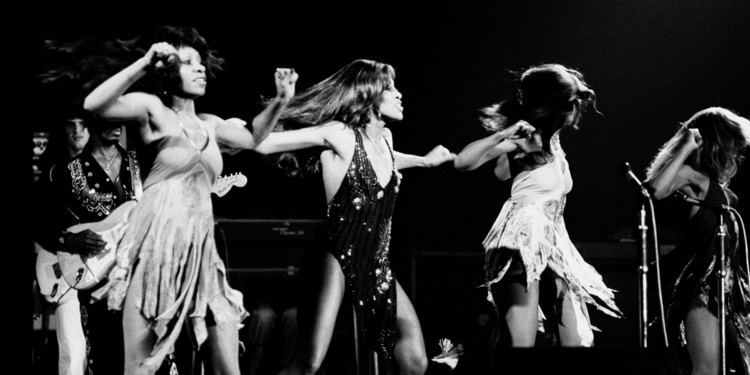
point(385, 188)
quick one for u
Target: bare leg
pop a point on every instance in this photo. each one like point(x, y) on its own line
point(409, 351)
point(137, 336)
point(223, 348)
point(575, 327)
point(517, 307)
point(260, 328)
point(312, 346)
point(289, 334)
point(702, 331)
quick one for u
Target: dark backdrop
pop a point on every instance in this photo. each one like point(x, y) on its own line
point(653, 63)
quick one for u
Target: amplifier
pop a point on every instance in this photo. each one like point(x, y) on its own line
point(265, 247)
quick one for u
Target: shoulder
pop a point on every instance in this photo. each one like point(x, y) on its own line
point(338, 136)
point(63, 170)
point(388, 135)
point(336, 126)
point(210, 119)
point(336, 130)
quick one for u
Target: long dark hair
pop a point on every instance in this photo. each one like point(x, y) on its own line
point(545, 95)
point(350, 95)
point(725, 136)
point(81, 65)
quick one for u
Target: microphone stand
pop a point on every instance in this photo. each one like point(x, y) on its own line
point(643, 267)
point(722, 233)
point(643, 273)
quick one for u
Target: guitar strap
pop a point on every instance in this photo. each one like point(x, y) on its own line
point(135, 176)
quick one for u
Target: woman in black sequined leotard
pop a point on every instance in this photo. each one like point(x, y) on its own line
point(700, 160)
point(351, 274)
point(360, 218)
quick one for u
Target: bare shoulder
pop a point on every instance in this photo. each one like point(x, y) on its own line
point(388, 135)
point(334, 127)
point(337, 130)
point(339, 136)
point(210, 119)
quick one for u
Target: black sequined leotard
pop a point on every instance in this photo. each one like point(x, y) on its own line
point(358, 236)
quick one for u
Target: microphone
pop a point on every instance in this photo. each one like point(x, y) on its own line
point(698, 202)
point(628, 172)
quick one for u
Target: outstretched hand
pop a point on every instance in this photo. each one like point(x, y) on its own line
point(438, 155)
point(286, 78)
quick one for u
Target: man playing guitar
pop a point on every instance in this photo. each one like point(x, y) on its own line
point(88, 189)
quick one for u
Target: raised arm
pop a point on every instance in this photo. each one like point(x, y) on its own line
point(239, 137)
point(676, 174)
point(109, 99)
point(435, 157)
point(289, 140)
point(483, 150)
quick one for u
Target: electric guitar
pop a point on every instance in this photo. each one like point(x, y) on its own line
point(225, 183)
point(84, 272)
point(49, 275)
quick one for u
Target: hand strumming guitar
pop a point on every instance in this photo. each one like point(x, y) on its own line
point(86, 243)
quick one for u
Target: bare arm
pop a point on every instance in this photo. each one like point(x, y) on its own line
point(239, 137)
point(290, 140)
point(676, 175)
point(476, 153)
point(109, 99)
point(435, 157)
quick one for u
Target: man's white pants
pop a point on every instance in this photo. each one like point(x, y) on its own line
point(71, 342)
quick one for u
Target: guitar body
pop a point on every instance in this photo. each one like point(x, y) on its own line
point(85, 272)
point(49, 275)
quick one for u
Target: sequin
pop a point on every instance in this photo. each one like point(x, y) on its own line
point(360, 232)
point(357, 202)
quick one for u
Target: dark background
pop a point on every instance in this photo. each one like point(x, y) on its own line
point(652, 63)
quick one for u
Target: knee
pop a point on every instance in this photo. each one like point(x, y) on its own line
point(289, 322)
point(264, 315)
point(415, 364)
point(262, 322)
point(410, 359)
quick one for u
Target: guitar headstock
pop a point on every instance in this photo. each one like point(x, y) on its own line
point(225, 183)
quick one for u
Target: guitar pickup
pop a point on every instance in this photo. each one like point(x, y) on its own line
point(57, 270)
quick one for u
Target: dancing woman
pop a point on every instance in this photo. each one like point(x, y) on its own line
point(528, 244)
point(700, 161)
point(168, 269)
point(346, 115)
